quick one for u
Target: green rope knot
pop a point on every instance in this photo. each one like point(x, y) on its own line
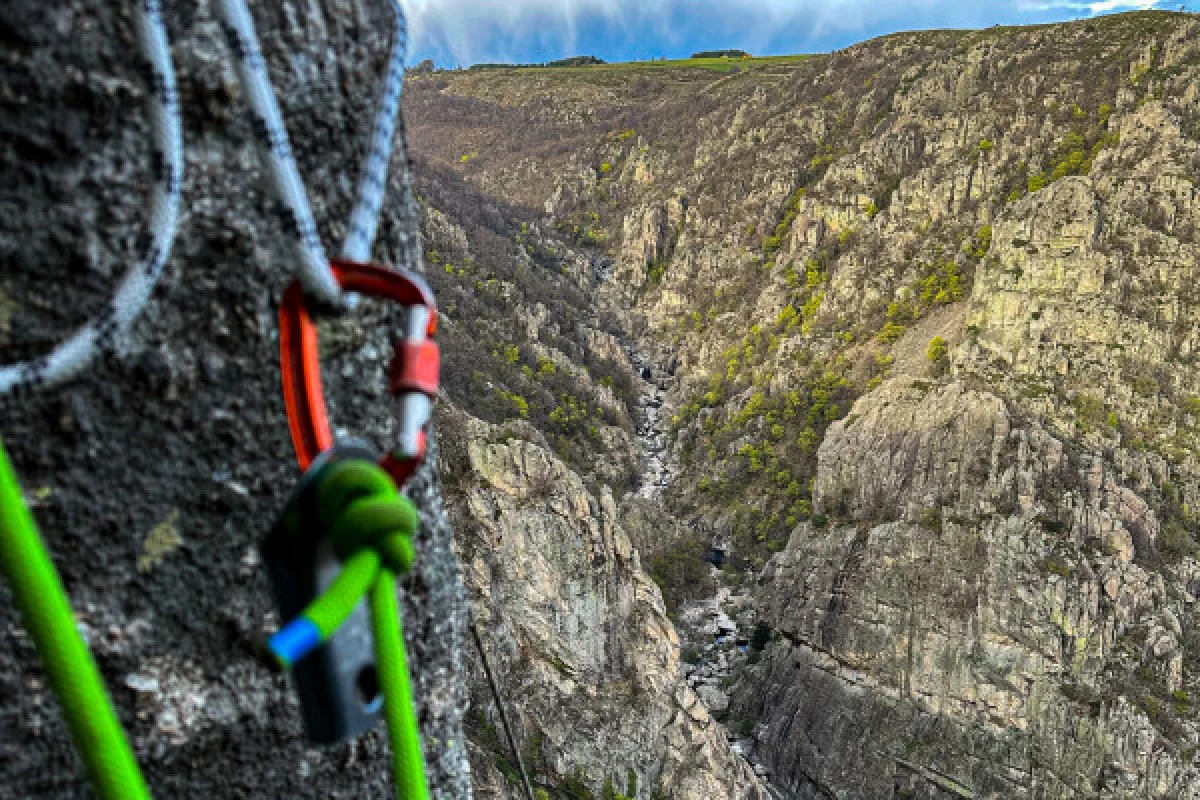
point(361, 508)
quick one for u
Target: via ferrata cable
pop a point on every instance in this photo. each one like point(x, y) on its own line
point(73, 675)
point(166, 130)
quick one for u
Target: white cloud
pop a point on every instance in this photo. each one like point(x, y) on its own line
point(468, 31)
point(1100, 7)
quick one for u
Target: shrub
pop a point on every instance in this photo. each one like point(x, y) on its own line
point(1057, 568)
point(1089, 412)
point(983, 241)
point(1175, 542)
point(681, 571)
point(1145, 385)
point(519, 403)
point(943, 284)
point(890, 332)
point(938, 354)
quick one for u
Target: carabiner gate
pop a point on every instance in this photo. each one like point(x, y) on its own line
point(412, 376)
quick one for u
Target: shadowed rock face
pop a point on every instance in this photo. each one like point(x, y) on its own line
point(970, 607)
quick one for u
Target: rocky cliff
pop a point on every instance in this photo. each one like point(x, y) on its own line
point(578, 636)
point(925, 308)
point(155, 476)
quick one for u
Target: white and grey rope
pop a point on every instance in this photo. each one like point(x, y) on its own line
point(313, 270)
point(372, 184)
point(153, 245)
point(73, 356)
point(272, 139)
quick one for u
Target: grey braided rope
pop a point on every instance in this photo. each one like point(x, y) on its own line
point(271, 135)
point(372, 184)
point(154, 245)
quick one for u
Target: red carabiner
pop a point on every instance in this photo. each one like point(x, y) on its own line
point(413, 375)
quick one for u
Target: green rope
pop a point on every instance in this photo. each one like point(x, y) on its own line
point(46, 613)
point(408, 762)
point(371, 526)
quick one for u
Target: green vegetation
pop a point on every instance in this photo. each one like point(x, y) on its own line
point(721, 54)
point(655, 271)
point(519, 403)
point(983, 241)
point(573, 61)
point(720, 64)
point(784, 425)
point(1090, 414)
point(1058, 568)
point(890, 332)
point(942, 284)
point(724, 65)
point(501, 379)
point(791, 209)
point(1077, 150)
point(938, 354)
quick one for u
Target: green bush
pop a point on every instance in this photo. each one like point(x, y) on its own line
point(1175, 542)
point(655, 271)
point(983, 241)
point(938, 354)
point(890, 332)
point(943, 285)
point(1089, 412)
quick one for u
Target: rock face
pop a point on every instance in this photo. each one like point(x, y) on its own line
point(578, 635)
point(967, 616)
point(929, 307)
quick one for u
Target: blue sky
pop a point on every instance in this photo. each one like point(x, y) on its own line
point(464, 32)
